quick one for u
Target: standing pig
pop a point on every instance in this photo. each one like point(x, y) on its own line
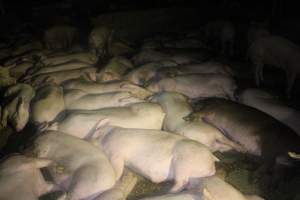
point(15, 110)
point(277, 52)
point(223, 33)
point(138, 115)
point(21, 178)
point(100, 40)
point(61, 37)
point(268, 103)
point(97, 101)
point(176, 107)
point(168, 156)
point(84, 171)
point(197, 85)
point(256, 131)
point(47, 104)
point(114, 70)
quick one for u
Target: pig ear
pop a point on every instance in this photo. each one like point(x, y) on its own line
point(41, 162)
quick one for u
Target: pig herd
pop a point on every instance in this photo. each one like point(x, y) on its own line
point(103, 115)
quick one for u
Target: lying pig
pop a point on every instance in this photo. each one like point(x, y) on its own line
point(18, 70)
point(83, 170)
point(168, 157)
point(61, 76)
point(5, 78)
point(21, 178)
point(197, 85)
point(209, 67)
point(97, 101)
point(122, 188)
point(114, 69)
point(277, 52)
point(15, 109)
point(107, 87)
point(61, 67)
point(222, 32)
point(138, 115)
point(256, 131)
point(47, 104)
point(268, 103)
point(146, 72)
point(150, 55)
point(85, 57)
point(61, 37)
point(176, 107)
point(211, 188)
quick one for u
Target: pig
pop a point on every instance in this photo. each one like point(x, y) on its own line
point(122, 188)
point(266, 102)
point(150, 55)
point(100, 40)
point(61, 67)
point(256, 131)
point(176, 107)
point(144, 73)
point(21, 178)
point(257, 31)
point(211, 188)
point(197, 85)
point(114, 70)
point(222, 32)
point(114, 86)
point(83, 170)
point(139, 115)
point(85, 57)
point(5, 78)
point(15, 109)
point(98, 101)
point(18, 70)
point(168, 157)
point(61, 76)
point(61, 37)
point(47, 104)
point(209, 67)
point(278, 52)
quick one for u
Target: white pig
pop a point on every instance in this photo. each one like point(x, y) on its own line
point(138, 115)
point(83, 170)
point(47, 104)
point(176, 107)
point(114, 86)
point(21, 178)
point(268, 103)
point(144, 73)
point(85, 57)
point(157, 155)
point(278, 52)
point(98, 101)
point(15, 110)
point(197, 85)
point(122, 188)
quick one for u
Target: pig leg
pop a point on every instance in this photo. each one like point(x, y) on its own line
point(118, 164)
point(83, 182)
point(181, 176)
point(258, 72)
point(290, 77)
